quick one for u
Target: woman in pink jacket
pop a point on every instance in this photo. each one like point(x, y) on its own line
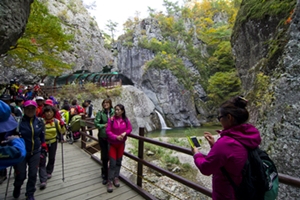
point(229, 150)
point(118, 127)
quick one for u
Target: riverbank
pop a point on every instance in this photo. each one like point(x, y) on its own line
point(161, 186)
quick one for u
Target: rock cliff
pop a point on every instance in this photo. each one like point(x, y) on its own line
point(88, 51)
point(179, 106)
point(267, 58)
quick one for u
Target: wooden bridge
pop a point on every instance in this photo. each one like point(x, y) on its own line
point(82, 180)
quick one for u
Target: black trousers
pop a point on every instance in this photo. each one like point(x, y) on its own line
point(104, 156)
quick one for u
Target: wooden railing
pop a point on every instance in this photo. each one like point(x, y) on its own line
point(283, 178)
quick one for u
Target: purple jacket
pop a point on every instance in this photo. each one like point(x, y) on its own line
point(231, 154)
point(117, 127)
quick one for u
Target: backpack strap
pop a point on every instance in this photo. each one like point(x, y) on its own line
point(58, 134)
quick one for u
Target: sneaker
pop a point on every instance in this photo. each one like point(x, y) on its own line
point(49, 176)
point(116, 182)
point(30, 197)
point(17, 192)
point(109, 187)
point(43, 185)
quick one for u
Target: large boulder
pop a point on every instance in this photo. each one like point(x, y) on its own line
point(13, 20)
point(139, 108)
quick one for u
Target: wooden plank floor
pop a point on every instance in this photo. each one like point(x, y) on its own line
point(82, 180)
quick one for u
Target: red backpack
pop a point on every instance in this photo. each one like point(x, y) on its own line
point(73, 110)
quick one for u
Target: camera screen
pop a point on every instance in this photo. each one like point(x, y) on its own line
point(195, 141)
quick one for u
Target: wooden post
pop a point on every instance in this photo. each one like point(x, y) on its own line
point(141, 156)
point(83, 137)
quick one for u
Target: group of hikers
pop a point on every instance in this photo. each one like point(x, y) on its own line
point(33, 129)
point(29, 142)
point(17, 90)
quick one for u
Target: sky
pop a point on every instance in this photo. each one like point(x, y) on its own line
point(120, 10)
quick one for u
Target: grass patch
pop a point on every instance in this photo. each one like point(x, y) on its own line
point(89, 91)
point(166, 156)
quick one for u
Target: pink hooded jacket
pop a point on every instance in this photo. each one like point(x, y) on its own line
point(117, 127)
point(228, 151)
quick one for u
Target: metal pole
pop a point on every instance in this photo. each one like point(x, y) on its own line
point(7, 183)
point(62, 161)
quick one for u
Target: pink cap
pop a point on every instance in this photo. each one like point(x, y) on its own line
point(49, 102)
point(30, 103)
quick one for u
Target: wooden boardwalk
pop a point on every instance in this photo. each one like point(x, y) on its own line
point(82, 180)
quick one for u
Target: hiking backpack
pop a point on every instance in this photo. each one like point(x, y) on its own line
point(260, 178)
point(73, 110)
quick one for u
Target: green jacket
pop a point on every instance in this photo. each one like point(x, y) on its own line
point(100, 121)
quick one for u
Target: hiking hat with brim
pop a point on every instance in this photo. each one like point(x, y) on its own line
point(5, 97)
point(49, 102)
point(19, 98)
point(39, 98)
point(7, 121)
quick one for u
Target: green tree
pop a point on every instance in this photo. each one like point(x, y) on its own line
point(222, 86)
point(39, 49)
point(111, 27)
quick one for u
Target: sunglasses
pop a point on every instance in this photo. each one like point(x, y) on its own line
point(219, 117)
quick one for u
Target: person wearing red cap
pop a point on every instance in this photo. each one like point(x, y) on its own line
point(56, 113)
point(32, 130)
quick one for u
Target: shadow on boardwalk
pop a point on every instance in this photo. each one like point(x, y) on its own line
point(82, 180)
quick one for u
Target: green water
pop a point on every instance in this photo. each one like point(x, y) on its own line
point(183, 132)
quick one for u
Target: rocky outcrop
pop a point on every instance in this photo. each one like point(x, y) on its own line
point(13, 19)
point(88, 51)
point(170, 98)
point(270, 46)
point(87, 48)
point(179, 106)
point(139, 108)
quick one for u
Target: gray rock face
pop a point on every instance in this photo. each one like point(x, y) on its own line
point(176, 104)
point(170, 98)
point(13, 19)
point(87, 51)
point(139, 108)
point(249, 47)
point(279, 124)
point(88, 46)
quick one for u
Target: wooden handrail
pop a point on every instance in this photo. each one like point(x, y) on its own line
point(283, 178)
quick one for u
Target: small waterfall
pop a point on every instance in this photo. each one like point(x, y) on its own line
point(162, 121)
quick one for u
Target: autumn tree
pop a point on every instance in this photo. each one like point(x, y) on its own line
point(39, 49)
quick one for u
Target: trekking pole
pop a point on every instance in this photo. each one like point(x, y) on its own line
point(62, 161)
point(7, 183)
